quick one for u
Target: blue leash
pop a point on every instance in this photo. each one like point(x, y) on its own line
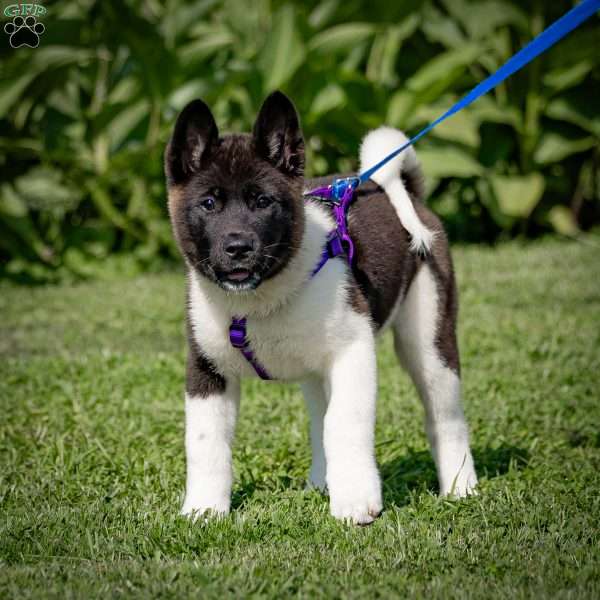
point(537, 46)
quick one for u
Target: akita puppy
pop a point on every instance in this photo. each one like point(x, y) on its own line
point(251, 241)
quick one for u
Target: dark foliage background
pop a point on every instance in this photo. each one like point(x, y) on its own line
point(85, 116)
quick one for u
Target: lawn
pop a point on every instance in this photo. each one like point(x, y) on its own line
point(92, 461)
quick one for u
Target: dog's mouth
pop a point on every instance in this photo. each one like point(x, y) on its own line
point(238, 275)
point(239, 280)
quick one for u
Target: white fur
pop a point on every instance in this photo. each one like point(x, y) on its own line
point(209, 429)
point(342, 412)
point(376, 145)
point(439, 387)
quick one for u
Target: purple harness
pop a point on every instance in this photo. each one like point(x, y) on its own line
point(338, 243)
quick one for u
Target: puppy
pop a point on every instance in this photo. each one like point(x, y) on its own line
point(251, 241)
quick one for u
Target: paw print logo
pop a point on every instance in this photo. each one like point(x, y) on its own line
point(24, 32)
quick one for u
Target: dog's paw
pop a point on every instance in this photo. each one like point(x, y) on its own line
point(463, 485)
point(205, 511)
point(357, 501)
point(357, 510)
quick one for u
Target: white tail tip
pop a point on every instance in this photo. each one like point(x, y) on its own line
point(376, 145)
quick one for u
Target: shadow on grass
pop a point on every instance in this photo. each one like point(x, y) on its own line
point(412, 472)
point(242, 494)
point(415, 471)
point(246, 489)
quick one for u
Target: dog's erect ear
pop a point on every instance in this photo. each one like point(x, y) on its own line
point(277, 135)
point(193, 137)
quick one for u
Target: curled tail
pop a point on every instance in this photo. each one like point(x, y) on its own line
point(400, 178)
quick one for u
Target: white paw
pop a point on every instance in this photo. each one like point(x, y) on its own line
point(206, 510)
point(464, 484)
point(357, 500)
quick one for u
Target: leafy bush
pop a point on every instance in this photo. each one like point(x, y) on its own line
point(86, 115)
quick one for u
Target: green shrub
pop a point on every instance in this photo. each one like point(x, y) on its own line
point(86, 115)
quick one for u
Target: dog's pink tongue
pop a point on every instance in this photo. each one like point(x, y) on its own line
point(238, 275)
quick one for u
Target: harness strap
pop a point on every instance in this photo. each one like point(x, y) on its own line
point(237, 337)
point(333, 247)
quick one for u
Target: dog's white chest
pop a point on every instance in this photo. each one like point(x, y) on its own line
point(290, 343)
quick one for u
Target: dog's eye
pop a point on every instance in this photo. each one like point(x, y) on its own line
point(208, 203)
point(262, 201)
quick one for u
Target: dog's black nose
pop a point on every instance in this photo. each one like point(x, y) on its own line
point(238, 246)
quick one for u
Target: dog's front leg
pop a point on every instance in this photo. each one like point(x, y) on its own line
point(349, 432)
point(211, 406)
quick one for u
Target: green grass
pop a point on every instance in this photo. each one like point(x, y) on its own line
point(92, 462)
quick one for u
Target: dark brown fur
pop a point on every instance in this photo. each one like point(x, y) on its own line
point(385, 266)
point(235, 201)
point(202, 378)
point(233, 171)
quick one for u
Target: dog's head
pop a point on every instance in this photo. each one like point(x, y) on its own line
point(236, 201)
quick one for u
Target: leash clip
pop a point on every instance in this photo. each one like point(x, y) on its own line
point(338, 192)
point(342, 189)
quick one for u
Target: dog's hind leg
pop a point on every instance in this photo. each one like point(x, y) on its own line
point(425, 342)
point(316, 403)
